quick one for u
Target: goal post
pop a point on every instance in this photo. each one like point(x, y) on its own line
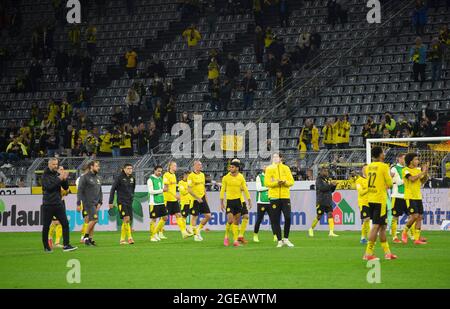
point(435, 150)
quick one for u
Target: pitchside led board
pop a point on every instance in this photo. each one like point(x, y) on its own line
point(22, 212)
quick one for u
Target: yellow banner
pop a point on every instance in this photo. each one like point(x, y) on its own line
point(232, 143)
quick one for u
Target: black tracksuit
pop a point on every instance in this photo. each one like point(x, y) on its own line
point(124, 186)
point(53, 205)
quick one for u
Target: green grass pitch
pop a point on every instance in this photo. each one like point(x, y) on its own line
point(318, 262)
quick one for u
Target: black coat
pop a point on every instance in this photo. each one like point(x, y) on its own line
point(51, 187)
point(324, 190)
point(124, 186)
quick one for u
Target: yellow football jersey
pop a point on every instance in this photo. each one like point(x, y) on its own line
point(379, 181)
point(412, 188)
point(170, 180)
point(233, 186)
point(185, 197)
point(362, 188)
point(196, 182)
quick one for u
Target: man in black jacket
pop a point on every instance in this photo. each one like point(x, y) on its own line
point(324, 190)
point(90, 194)
point(248, 86)
point(124, 184)
point(52, 182)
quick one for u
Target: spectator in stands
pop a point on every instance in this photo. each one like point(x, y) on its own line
point(86, 67)
point(58, 9)
point(192, 36)
point(342, 11)
point(444, 39)
point(259, 44)
point(315, 41)
point(35, 74)
point(283, 10)
point(329, 133)
point(258, 12)
point(158, 115)
point(156, 66)
point(279, 82)
point(214, 90)
point(52, 143)
point(271, 68)
point(418, 54)
point(126, 147)
point(14, 152)
point(131, 58)
point(171, 110)
point(169, 90)
point(91, 38)
point(117, 116)
point(47, 39)
point(373, 133)
point(435, 56)
point(386, 133)
point(248, 86)
point(343, 127)
point(3, 179)
point(75, 65)
point(286, 66)
point(268, 38)
point(309, 137)
point(35, 43)
point(153, 135)
point(304, 42)
point(213, 71)
point(211, 17)
point(332, 12)
point(277, 48)
point(156, 91)
point(225, 94)
point(141, 135)
point(105, 143)
point(389, 123)
point(115, 142)
point(402, 123)
point(20, 85)
point(75, 36)
point(185, 118)
point(419, 17)
point(132, 101)
point(61, 64)
point(232, 69)
point(78, 149)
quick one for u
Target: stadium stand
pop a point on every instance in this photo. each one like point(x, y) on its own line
point(358, 69)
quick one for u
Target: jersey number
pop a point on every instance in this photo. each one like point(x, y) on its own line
point(372, 177)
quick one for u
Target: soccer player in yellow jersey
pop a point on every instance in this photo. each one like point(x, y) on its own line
point(171, 198)
point(413, 178)
point(199, 203)
point(56, 226)
point(379, 181)
point(233, 186)
point(362, 188)
point(244, 213)
point(185, 200)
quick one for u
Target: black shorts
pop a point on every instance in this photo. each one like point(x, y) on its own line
point(244, 208)
point(323, 209)
point(200, 208)
point(185, 210)
point(398, 206)
point(365, 212)
point(375, 214)
point(279, 204)
point(158, 211)
point(173, 207)
point(262, 208)
point(125, 210)
point(415, 207)
point(234, 207)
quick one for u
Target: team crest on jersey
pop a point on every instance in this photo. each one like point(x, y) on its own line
point(123, 213)
point(394, 212)
point(319, 212)
point(262, 208)
point(228, 209)
point(274, 206)
point(411, 210)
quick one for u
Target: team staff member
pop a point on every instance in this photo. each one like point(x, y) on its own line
point(124, 184)
point(52, 182)
point(379, 181)
point(56, 227)
point(90, 194)
point(324, 190)
point(85, 225)
point(279, 180)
